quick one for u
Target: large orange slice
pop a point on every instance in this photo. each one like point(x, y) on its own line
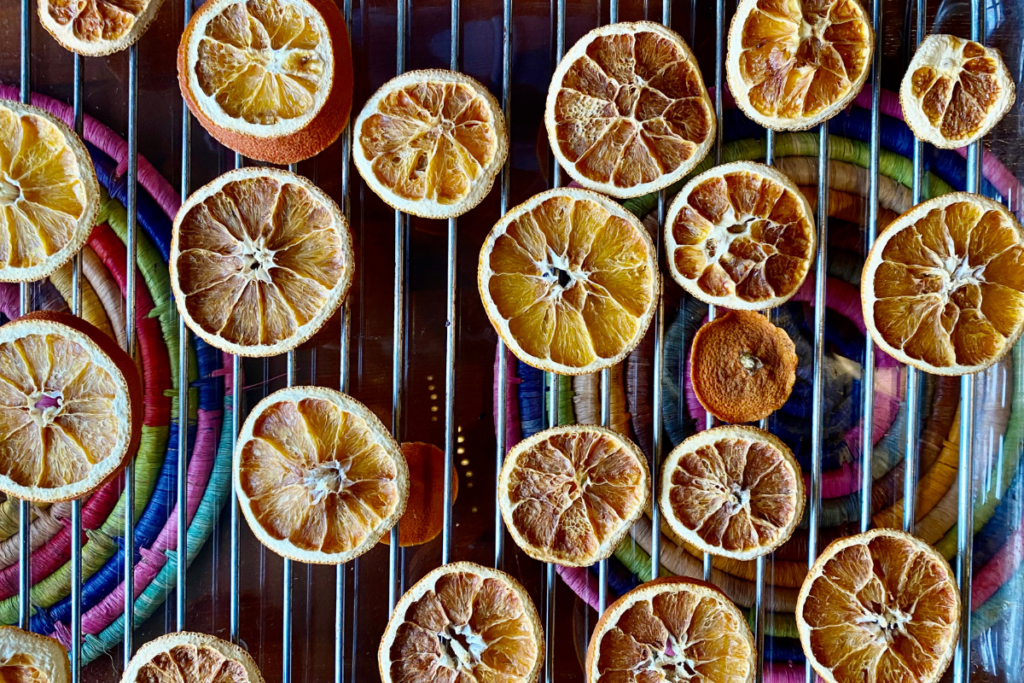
point(570, 494)
point(569, 281)
point(732, 491)
point(792, 64)
point(70, 407)
point(26, 657)
point(318, 477)
point(270, 79)
point(879, 606)
point(260, 259)
point(943, 286)
point(671, 629)
point(187, 657)
point(741, 236)
point(49, 195)
point(627, 111)
point(955, 91)
point(97, 27)
point(461, 623)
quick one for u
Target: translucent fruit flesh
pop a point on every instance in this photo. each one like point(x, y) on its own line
point(20, 668)
point(187, 663)
point(96, 21)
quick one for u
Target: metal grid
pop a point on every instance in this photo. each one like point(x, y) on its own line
point(401, 234)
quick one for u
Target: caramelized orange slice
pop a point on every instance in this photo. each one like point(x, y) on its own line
point(186, 657)
point(26, 657)
point(97, 27)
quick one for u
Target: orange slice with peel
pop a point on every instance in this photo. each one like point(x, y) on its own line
point(880, 606)
point(463, 622)
point(319, 478)
point(740, 235)
point(627, 111)
point(570, 494)
point(942, 288)
point(188, 657)
point(569, 281)
point(260, 259)
point(70, 407)
point(94, 28)
point(32, 658)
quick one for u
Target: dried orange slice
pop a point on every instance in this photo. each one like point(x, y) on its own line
point(97, 27)
point(430, 143)
point(49, 195)
point(732, 491)
point(70, 407)
point(943, 286)
point(955, 91)
point(270, 79)
point(627, 111)
point(188, 657)
point(741, 236)
point(27, 657)
point(260, 259)
point(424, 511)
point(318, 477)
point(742, 367)
point(463, 622)
point(569, 281)
point(879, 606)
point(791, 64)
point(570, 494)
point(671, 629)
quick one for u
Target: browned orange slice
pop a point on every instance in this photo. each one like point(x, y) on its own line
point(26, 657)
point(97, 27)
point(187, 657)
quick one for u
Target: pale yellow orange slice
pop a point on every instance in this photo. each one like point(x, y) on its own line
point(188, 657)
point(26, 657)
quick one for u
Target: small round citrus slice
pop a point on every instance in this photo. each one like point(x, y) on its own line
point(94, 28)
point(70, 407)
point(570, 494)
point(424, 511)
point(741, 236)
point(49, 195)
point(627, 111)
point(27, 657)
point(732, 491)
point(318, 476)
point(792, 65)
point(187, 657)
point(463, 622)
point(260, 259)
point(270, 79)
point(671, 629)
point(880, 606)
point(742, 367)
point(955, 91)
point(569, 281)
point(943, 286)
point(430, 143)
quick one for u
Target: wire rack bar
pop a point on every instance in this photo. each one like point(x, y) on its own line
point(236, 422)
point(287, 569)
point(24, 290)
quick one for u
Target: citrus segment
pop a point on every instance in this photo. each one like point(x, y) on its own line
point(318, 477)
point(97, 27)
point(627, 112)
point(186, 657)
point(955, 91)
point(461, 623)
point(431, 143)
point(880, 606)
point(569, 281)
point(570, 494)
point(671, 629)
point(942, 288)
point(793, 64)
point(49, 196)
point(741, 236)
point(27, 657)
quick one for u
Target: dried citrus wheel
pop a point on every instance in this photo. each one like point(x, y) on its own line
point(97, 27)
point(49, 196)
point(955, 91)
point(742, 368)
point(430, 143)
point(879, 606)
point(271, 79)
point(627, 111)
point(318, 477)
point(741, 236)
point(570, 494)
point(792, 64)
point(732, 491)
point(186, 657)
point(260, 259)
point(461, 623)
point(70, 407)
point(26, 657)
point(424, 511)
point(671, 629)
point(943, 286)
point(569, 281)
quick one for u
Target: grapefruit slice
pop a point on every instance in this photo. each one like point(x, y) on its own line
point(26, 657)
point(187, 657)
point(94, 28)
